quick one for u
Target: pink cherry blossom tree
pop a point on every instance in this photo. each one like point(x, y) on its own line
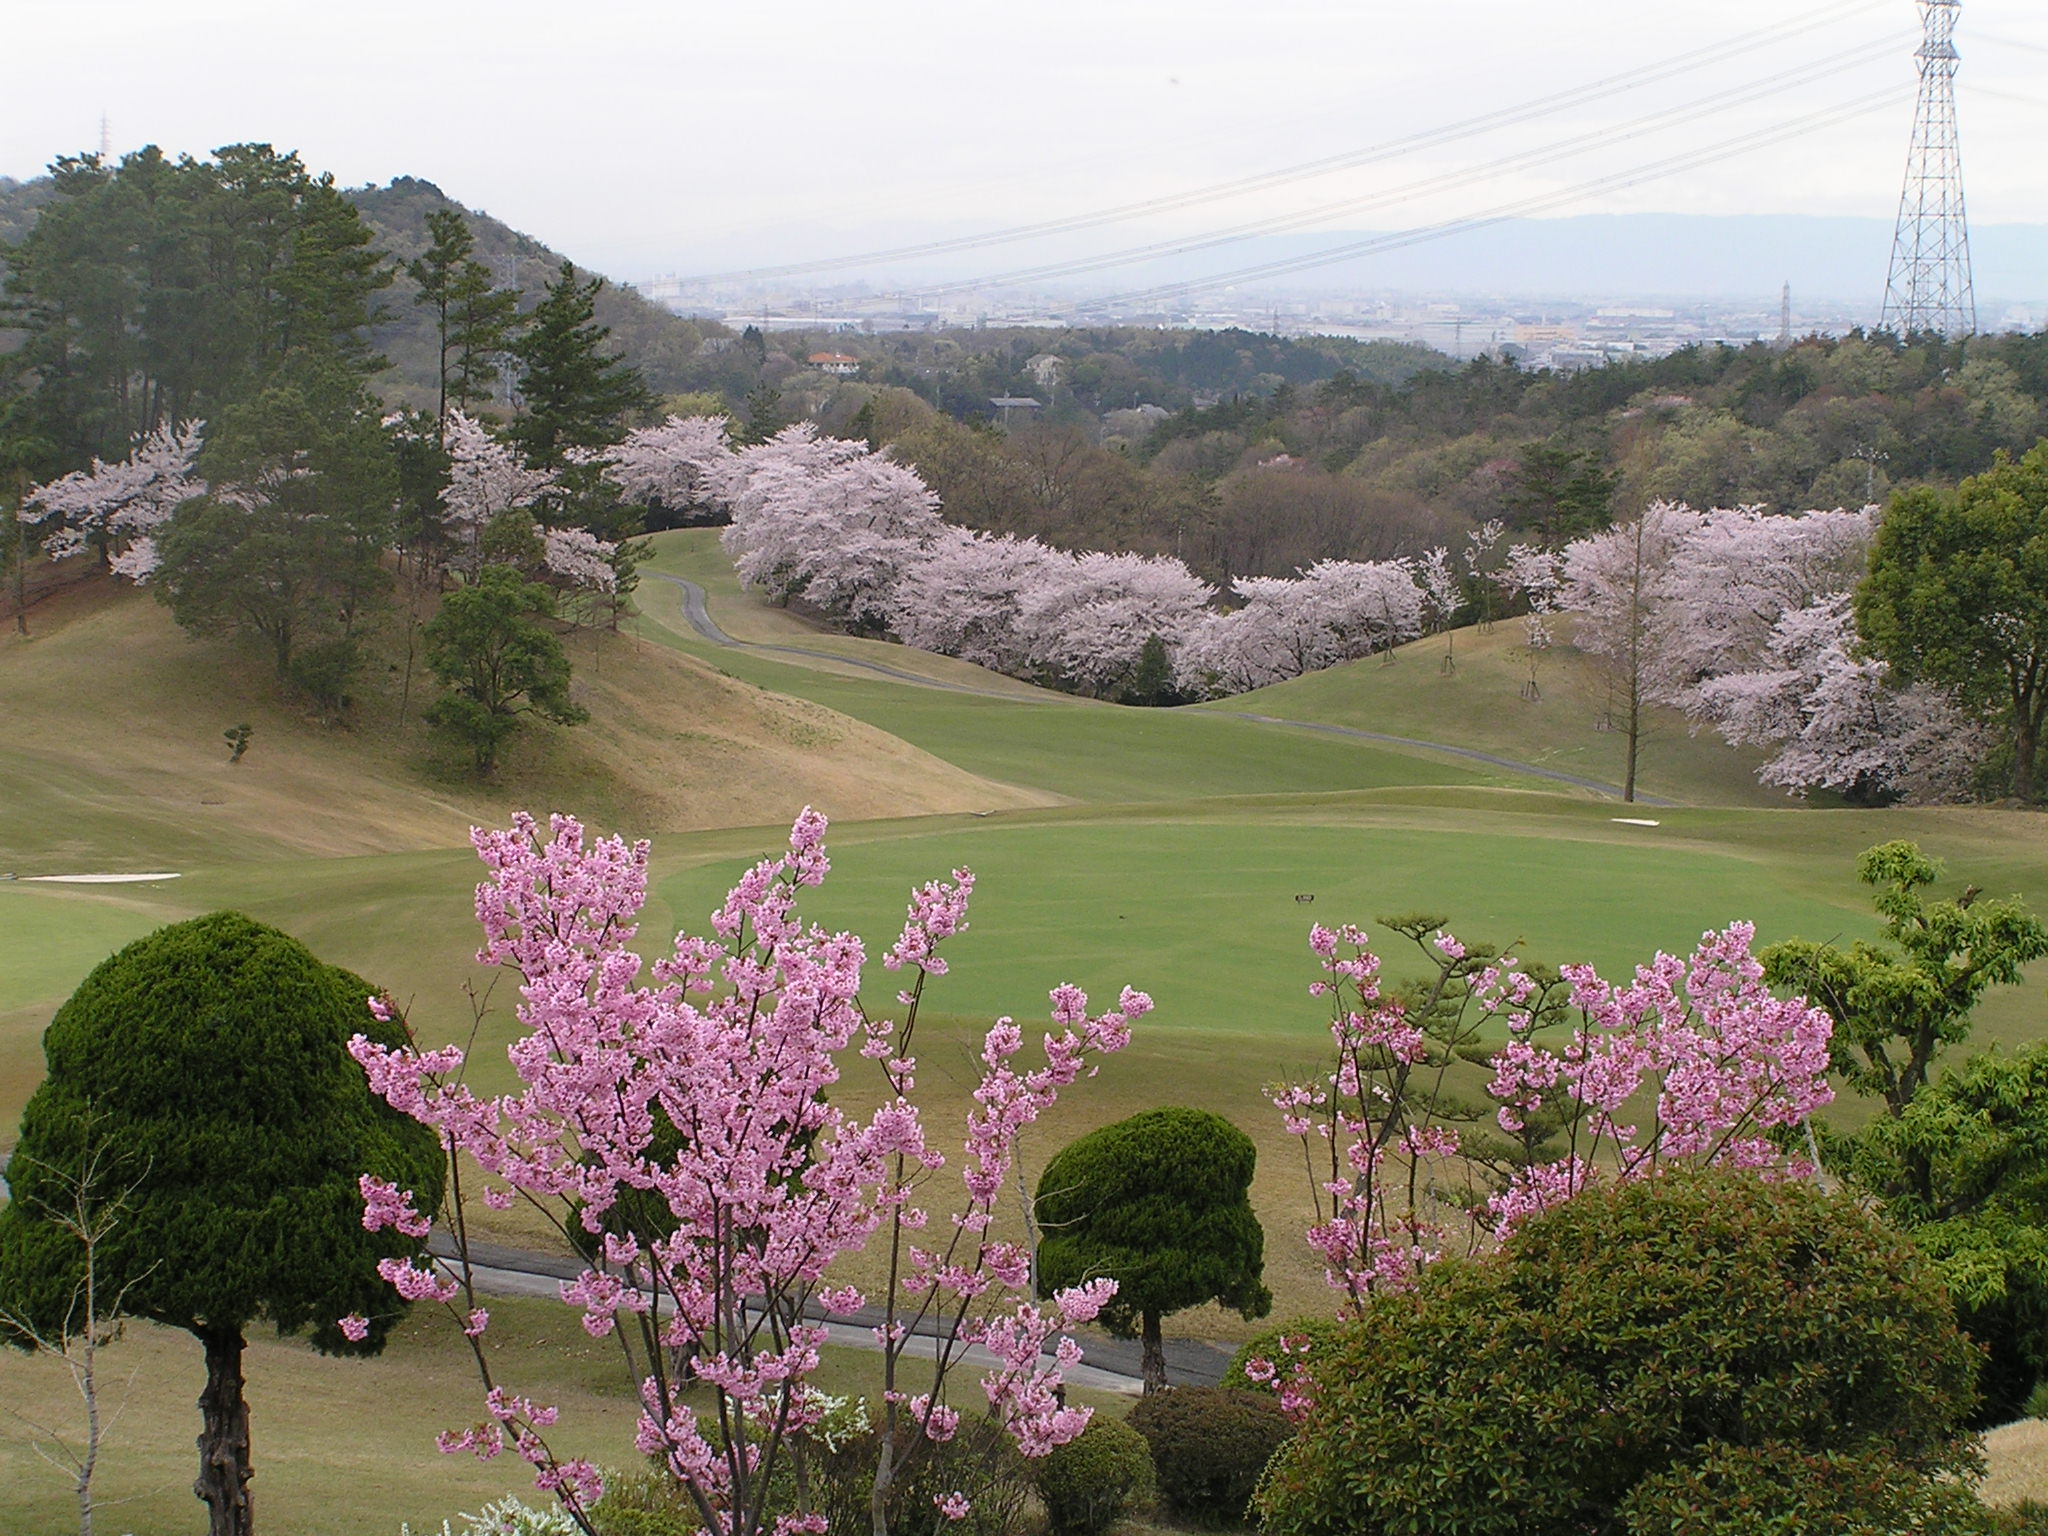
point(829, 522)
point(1443, 596)
point(685, 465)
point(1481, 564)
point(117, 509)
point(1088, 618)
point(679, 1134)
point(1740, 571)
point(1835, 721)
point(1693, 1060)
point(486, 478)
point(1617, 589)
point(966, 597)
point(1336, 611)
point(1532, 576)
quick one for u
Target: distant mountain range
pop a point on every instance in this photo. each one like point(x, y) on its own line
point(1664, 256)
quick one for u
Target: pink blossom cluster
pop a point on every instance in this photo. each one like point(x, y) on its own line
point(1718, 1069)
point(486, 478)
point(706, 1087)
point(1724, 1062)
point(857, 536)
point(1742, 618)
point(1292, 1376)
point(120, 507)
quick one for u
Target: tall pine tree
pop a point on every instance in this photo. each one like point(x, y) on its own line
point(576, 394)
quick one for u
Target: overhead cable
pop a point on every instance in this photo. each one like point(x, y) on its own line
point(1689, 160)
point(1610, 85)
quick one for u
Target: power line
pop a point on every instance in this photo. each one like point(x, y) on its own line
point(1543, 203)
point(1611, 85)
point(2010, 42)
point(1561, 149)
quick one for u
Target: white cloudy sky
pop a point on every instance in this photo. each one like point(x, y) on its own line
point(653, 136)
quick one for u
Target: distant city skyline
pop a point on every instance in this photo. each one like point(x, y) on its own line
point(658, 138)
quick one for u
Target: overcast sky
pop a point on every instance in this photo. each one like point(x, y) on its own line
point(649, 136)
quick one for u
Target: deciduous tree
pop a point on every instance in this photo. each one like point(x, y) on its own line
point(1958, 597)
point(488, 646)
point(687, 1134)
point(1616, 587)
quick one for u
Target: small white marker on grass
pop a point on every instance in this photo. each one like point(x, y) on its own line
point(1634, 821)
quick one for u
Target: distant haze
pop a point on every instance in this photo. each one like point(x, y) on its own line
point(656, 135)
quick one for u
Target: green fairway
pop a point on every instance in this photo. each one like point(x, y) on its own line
point(1080, 749)
point(1480, 706)
point(1208, 914)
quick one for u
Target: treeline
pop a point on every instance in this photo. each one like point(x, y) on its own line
point(1355, 452)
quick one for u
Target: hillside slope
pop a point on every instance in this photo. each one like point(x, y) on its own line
point(1480, 706)
point(113, 755)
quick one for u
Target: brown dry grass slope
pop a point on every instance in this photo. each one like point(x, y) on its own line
point(112, 754)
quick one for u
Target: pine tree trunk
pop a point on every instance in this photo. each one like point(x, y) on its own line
point(224, 1470)
point(1154, 1368)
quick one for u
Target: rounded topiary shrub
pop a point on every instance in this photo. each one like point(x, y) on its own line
point(1762, 1490)
point(1095, 1479)
point(1299, 1338)
point(1209, 1445)
point(1614, 1338)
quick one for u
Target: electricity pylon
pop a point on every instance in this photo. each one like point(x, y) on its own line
point(1930, 288)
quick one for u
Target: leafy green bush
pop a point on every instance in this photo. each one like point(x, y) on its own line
point(1279, 1346)
point(1763, 1490)
point(643, 1504)
point(1209, 1445)
point(1618, 1336)
point(1094, 1480)
point(981, 1462)
point(2037, 1402)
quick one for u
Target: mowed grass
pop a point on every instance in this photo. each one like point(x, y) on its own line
point(340, 1447)
point(114, 759)
point(1480, 706)
point(1079, 749)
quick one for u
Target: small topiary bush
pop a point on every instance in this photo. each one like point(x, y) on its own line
point(1094, 1480)
point(1761, 1490)
point(1209, 1445)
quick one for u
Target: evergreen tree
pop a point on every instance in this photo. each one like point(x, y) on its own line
point(575, 393)
point(1559, 492)
point(214, 1055)
point(1160, 1202)
point(289, 545)
point(437, 273)
point(156, 290)
point(481, 317)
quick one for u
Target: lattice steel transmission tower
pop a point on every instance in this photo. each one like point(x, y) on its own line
point(1930, 288)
